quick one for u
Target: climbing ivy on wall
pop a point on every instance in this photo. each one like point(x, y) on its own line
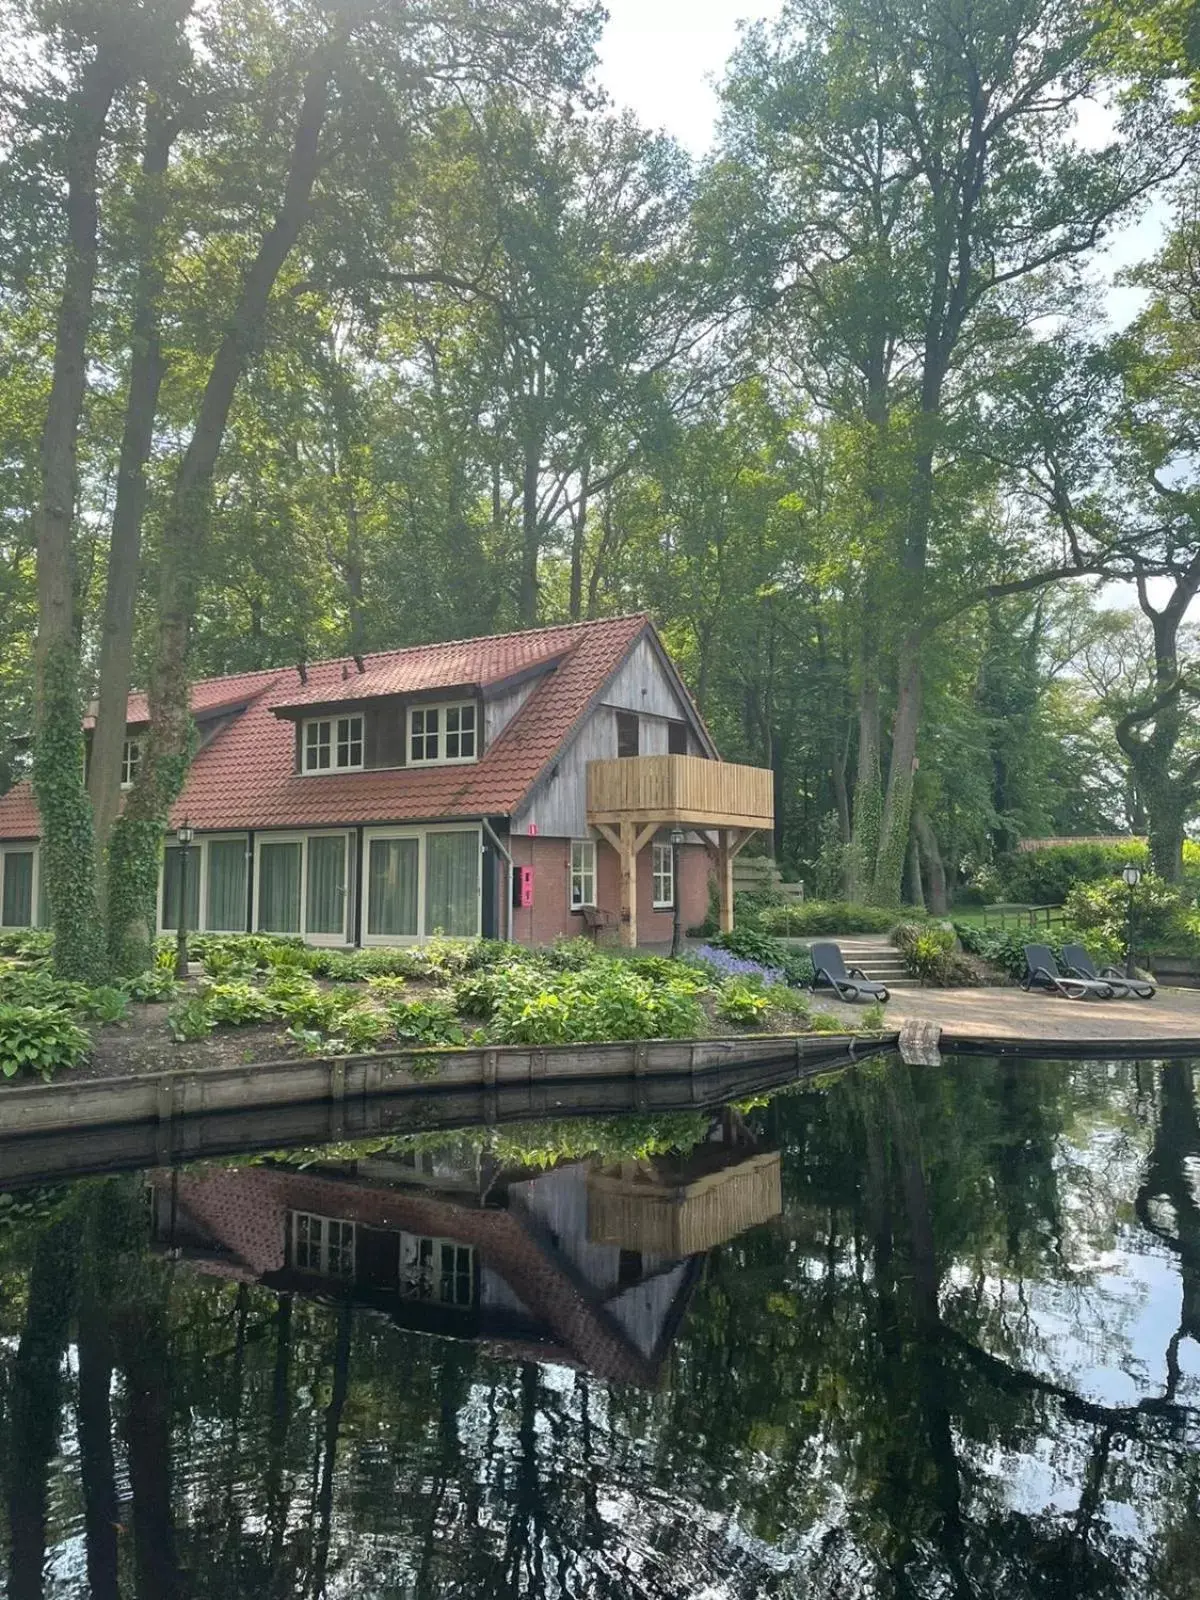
point(68, 853)
point(134, 854)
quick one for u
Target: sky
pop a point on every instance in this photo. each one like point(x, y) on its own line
point(662, 58)
point(659, 57)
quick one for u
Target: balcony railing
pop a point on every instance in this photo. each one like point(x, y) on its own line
point(680, 789)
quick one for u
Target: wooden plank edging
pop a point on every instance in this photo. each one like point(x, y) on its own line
point(203, 1091)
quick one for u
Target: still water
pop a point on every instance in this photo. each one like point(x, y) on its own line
point(910, 1333)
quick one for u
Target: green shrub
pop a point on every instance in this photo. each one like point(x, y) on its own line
point(742, 1002)
point(37, 986)
point(41, 1039)
point(1005, 948)
point(105, 1004)
point(790, 1002)
point(425, 1022)
point(237, 1004)
point(825, 1022)
point(153, 984)
point(573, 955)
point(487, 953)
point(190, 1019)
point(751, 944)
point(479, 993)
point(27, 944)
point(1046, 877)
point(931, 954)
point(360, 966)
point(1162, 916)
point(359, 1028)
point(812, 918)
point(872, 1019)
point(606, 1002)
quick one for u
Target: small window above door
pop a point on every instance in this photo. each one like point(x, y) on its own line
point(677, 738)
point(628, 733)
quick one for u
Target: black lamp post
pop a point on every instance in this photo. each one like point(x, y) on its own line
point(676, 930)
point(185, 833)
point(1132, 876)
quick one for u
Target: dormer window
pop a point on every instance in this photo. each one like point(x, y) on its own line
point(333, 744)
point(131, 761)
point(441, 734)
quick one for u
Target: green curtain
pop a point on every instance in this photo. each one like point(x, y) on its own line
point(279, 887)
point(226, 905)
point(172, 868)
point(392, 888)
point(452, 884)
point(17, 909)
point(325, 911)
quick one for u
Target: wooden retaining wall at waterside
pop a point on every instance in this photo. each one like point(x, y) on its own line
point(165, 1097)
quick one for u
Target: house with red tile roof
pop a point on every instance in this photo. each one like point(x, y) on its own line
point(527, 786)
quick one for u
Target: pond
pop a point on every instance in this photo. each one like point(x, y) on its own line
point(910, 1332)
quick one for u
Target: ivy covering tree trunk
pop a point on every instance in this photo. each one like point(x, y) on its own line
point(68, 859)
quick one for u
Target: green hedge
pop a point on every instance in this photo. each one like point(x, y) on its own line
point(1046, 877)
point(812, 917)
point(1005, 948)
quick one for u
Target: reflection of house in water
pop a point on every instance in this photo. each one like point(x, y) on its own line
point(582, 1264)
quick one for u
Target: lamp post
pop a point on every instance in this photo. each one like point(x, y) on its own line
point(1132, 876)
point(185, 833)
point(676, 930)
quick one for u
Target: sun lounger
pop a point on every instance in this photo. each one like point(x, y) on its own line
point(1080, 965)
point(1041, 972)
point(829, 970)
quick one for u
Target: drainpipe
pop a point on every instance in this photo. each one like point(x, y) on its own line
point(508, 898)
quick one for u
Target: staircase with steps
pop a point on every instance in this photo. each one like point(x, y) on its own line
point(874, 953)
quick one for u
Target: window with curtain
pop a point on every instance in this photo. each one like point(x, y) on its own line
point(583, 872)
point(172, 875)
point(392, 868)
point(664, 875)
point(279, 887)
point(225, 902)
point(452, 884)
point(325, 896)
point(16, 909)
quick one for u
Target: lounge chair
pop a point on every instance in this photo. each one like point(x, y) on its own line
point(1080, 965)
point(1041, 972)
point(829, 968)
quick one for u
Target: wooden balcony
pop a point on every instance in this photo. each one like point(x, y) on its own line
point(630, 799)
point(680, 789)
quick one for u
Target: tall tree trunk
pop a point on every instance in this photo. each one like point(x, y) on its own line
point(868, 797)
point(935, 871)
point(68, 852)
point(146, 371)
point(97, 1468)
point(145, 1357)
point(531, 534)
point(37, 1393)
point(133, 864)
point(333, 1429)
point(578, 536)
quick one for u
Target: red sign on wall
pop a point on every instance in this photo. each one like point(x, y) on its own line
point(525, 887)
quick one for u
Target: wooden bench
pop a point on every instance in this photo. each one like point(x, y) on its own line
point(598, 921)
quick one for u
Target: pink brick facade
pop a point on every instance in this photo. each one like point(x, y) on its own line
point(550, 917)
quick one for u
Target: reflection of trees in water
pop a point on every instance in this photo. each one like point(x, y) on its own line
point(847, 1405)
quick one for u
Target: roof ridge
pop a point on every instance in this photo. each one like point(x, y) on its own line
point(492, 638)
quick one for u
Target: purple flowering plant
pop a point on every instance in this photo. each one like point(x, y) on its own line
point(727, 965)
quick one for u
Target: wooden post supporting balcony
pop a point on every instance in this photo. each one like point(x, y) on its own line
point(628, 843)
point(631, 798)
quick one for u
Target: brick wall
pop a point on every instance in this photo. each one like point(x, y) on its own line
point(550, 917)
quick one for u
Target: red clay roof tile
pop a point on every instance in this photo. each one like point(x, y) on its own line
point(245, 777)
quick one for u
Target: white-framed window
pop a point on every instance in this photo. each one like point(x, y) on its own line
point(20, 887)
point(218, 881)
point(437, 1269)
point(664, 876)
point(332, 744)
point(301, 885)
point(324, 1245)
point(422, 881)
point(442, 734)
point(583, 873)
point(131, 761)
